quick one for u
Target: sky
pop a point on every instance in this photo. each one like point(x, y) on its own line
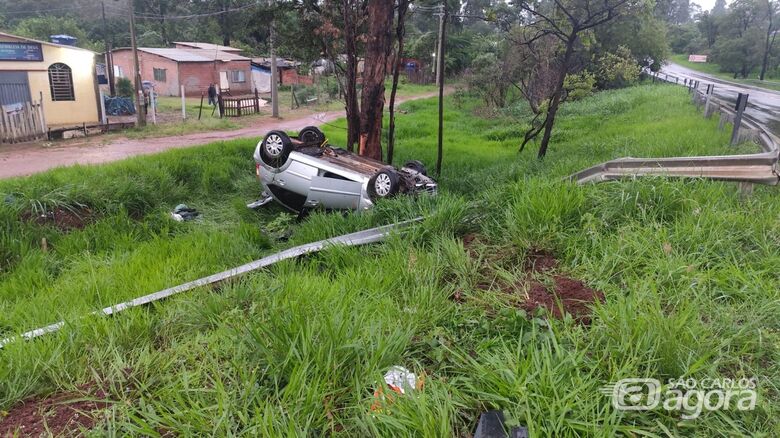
point(706, 5)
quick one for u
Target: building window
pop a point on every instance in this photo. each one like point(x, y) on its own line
point(61, 82)
point(159, 74)
point(118, 72)
point(237, 76)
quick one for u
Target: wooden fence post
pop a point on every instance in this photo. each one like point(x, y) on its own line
point(183, 105)
point(257, 102)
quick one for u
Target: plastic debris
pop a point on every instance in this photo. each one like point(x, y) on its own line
point(260, 202)
point(401, 381)
point(119, 106)
point(183, 213)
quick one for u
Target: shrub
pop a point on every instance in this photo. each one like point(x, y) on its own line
point(124, 87)
point(580, 85)
point(488, 80)
point(617, 70)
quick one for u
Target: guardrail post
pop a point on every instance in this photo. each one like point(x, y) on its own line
point(739, 108)
point(745, 189)
point(710, 91)
point(724, 117)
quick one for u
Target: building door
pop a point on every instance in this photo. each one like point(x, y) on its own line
point(223, 81)
point(14, 89)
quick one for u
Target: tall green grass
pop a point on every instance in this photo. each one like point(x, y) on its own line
point(688, 269)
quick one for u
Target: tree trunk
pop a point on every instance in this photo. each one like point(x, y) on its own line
point(400, 29)
point(378, 45)
point(556, 98)
point(767, 43)
point(350, 75)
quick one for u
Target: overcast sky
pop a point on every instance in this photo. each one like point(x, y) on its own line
point(706, 5)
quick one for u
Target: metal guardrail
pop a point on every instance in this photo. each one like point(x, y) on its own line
point(364, 237)
point(760, 168)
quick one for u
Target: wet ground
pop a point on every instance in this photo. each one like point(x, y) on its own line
point(763, 105)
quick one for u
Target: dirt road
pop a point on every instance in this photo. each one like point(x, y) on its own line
point(27, 159)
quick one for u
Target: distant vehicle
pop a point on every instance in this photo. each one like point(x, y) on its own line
point(305, 172)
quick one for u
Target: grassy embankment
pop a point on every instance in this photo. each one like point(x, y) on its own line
point(712, 69)
point(688, 269)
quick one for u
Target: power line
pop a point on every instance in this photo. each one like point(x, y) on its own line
point(71, 8)
point(190, 16)
point(119, 10)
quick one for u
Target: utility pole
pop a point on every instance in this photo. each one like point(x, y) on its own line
point(139, 92)
point(109, 60)
point(274, 73)
point(440, 45)
point(440, 83)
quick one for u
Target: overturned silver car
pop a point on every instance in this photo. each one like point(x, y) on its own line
point(305, 172)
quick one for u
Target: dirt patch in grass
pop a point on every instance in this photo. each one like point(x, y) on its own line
point(541, 286)
point(567, 295)
point(63, 219)
point(62, 414)
point(539, 261)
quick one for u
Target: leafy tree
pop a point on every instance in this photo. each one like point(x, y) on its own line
point(772, 9)
point(566, 22)
point(642, 33)
point(617, 70)
point(719, 8)
point(41, 28)
point(682, 36)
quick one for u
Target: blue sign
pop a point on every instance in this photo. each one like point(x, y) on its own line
point(20, 52)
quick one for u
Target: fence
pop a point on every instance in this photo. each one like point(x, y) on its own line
point(420, 77)
point(239, 106)
point(25, 122)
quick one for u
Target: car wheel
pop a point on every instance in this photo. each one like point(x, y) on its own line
point(384, 184)
point(312, 135)
point(416, 165)
point(276, 148)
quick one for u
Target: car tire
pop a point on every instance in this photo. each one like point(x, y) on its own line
point(416, 165)
point(311, 135)
point(384, 184)
point(275, 149)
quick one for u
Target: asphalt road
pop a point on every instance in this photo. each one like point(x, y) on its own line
point(763, 105)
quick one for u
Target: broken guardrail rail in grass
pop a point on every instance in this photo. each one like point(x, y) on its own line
point(364, 237)
point(760, 168)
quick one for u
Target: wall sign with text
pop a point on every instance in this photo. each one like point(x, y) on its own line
point(20, 51)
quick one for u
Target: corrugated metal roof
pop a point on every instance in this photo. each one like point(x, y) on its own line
point(280, 62)
point(207, 46)
point(178, 55)
point(218, 55)
point(191, 55)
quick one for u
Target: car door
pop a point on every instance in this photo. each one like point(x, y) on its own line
point(332, 191)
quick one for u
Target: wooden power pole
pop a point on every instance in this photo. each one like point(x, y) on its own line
point(274, 73)
point(139, 92)
point(109, 60)
point(440, 83)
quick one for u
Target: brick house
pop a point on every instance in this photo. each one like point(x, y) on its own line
point(188, 65)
